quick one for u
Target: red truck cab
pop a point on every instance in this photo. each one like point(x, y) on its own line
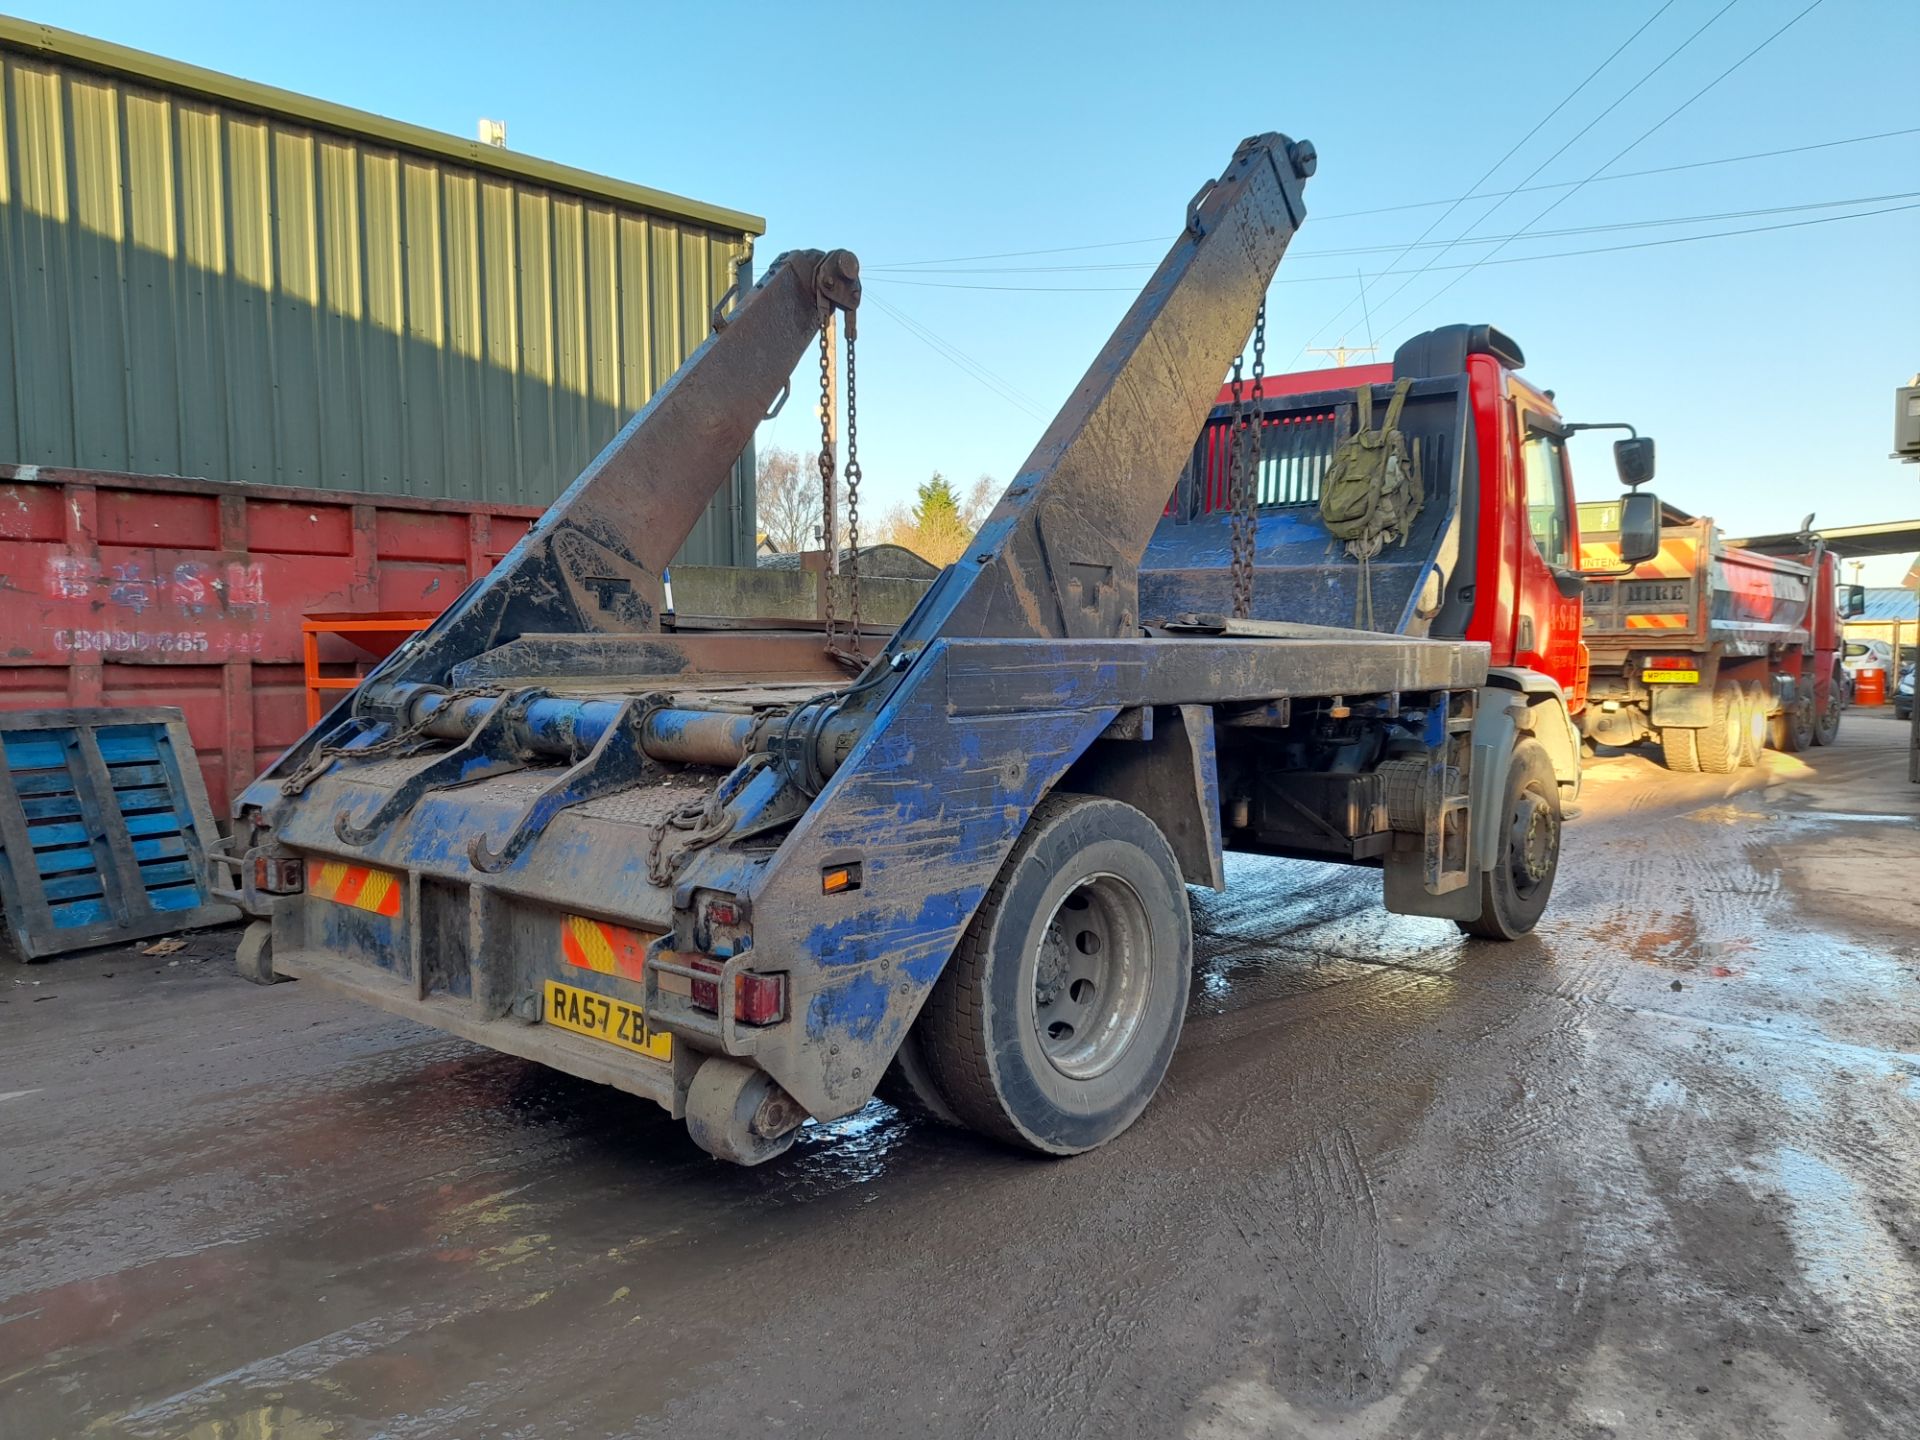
point(1492, 557)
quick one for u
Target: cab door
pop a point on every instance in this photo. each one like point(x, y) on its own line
point(1546, 580)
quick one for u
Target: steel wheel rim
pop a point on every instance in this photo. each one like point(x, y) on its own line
point(1532, 843)
point(1090, 979)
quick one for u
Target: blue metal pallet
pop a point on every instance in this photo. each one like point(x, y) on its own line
point(104, 829)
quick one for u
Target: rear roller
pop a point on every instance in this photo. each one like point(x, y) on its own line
point(254, 959)
point(738, 1113)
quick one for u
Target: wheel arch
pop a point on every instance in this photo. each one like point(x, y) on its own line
point(1548, 718)
point(1166, 767)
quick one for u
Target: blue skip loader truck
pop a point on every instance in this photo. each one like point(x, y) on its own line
point(727, 870)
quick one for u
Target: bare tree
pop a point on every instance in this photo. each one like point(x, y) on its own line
point(789, 501)
point(982, 496)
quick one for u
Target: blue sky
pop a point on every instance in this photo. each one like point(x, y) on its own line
point(1763, 363)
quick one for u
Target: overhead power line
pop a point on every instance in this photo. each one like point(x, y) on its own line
point(1592, 75)
point(1319, 219)
point(1383, 274)
point(1577, 135)
point(1631, 174)
point(974, 369)
point(1404, 247)
point(1619, 154)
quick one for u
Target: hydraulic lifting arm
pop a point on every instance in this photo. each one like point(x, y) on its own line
point(1058, 557)
point(593, 563)
point(1060, 554)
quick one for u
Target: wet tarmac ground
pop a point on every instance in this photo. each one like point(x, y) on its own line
point(1652, 1171)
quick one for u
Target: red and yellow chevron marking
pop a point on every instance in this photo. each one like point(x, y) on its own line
point(1678, 558)
point(603, 948)
point(1668, 621)
point(360, 886)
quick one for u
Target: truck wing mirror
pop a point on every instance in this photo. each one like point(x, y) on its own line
point(1633, 458)
point(1856, 602)
point(1639, 517)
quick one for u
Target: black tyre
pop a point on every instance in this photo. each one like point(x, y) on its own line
point(1681, 750)
point(1791, 731)
point(1826, 720)
point(1754, 736)
point(1514, 894)
point(1058, 1014)
point(1723, 742)
point(909, 1085)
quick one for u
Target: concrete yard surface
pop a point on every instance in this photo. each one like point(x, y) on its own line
point(1653, 1171)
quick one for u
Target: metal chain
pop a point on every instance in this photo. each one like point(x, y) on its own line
point(1236, 417)
point(705, 822)
point(853, 490)
point(397, 740)
point(827, 467)
point(1245, 497)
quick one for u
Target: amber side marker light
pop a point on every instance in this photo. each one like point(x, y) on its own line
point(836, 878)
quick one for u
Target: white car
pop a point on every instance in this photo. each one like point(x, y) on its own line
point(1868, 655)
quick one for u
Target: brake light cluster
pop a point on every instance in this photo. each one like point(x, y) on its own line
point(757, 999)
point(1669, 662)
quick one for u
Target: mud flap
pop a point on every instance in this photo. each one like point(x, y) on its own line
point(1497, 721)
point(1684, 707)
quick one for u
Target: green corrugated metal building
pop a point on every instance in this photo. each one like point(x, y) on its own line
point(208, 277)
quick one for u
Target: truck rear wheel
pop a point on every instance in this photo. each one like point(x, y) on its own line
point(1514, 894)
point(1826, 721)
point(1791, 731)
point(1058, 1014)
point(1722, 742)
point(1754, 737)
point(1680, 748)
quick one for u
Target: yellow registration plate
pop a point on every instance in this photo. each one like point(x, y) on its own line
point(601, 1018)
point(1670, 677)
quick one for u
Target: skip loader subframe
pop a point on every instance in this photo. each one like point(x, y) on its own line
point(708, 868)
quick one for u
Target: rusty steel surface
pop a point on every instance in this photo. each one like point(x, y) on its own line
point(1654, 1171)
point(123, 589)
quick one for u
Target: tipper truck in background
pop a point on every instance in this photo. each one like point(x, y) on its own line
point(750, 872)
point(1713, 648)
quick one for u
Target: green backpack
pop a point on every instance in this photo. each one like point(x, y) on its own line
point(1370, 493)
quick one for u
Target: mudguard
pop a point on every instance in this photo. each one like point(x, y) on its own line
point(1550, 720)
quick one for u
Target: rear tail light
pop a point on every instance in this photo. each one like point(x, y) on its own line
point(1669, 662)
point(757, 999)
point(277, 876)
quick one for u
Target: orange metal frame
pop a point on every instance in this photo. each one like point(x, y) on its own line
point(363, 631)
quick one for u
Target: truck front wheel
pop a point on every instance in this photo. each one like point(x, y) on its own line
point(1513, 895)
point(1058, 1014)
